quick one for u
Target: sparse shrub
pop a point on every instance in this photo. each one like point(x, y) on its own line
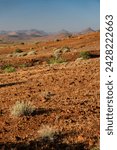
point(85, 55)
point(8, 68)
point(82, 46)
point(18, 50)
point(69, 36)
point(1, 112)
point(54, 60)
point(47, 132)
point(31, 48)
point(23, 65)
point(22, 108)
point(57, 40)
point(37, 42)
point(44, 47)
point(47, 95)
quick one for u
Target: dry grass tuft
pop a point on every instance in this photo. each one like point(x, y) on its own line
point(22, 109)
point(47, 132)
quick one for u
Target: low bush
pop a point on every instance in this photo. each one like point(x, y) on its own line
point(23, 65)
point(22, 108)
point(54, 60)
point(8, 68)
point(18, 50)
point(47, 132)
point(85, 55)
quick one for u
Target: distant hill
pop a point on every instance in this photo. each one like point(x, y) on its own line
point(26, 33)
point(87, 30)
point(38, 35)
point(65, 32)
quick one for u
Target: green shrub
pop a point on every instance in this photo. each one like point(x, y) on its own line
point(18, 50)
point(8, 68)
point(54, 60)
point(22, 108)
point(23, 65)
point(85, 55)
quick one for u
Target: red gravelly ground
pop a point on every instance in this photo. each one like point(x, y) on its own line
point(66, 96)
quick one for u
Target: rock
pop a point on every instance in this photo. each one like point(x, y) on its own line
point(44, 47)
point(10, 55)
point(58, 53)
point(78, 59)
point(20, 54)
point(57, 40)
point(33, 52)
point(65, 49)
point(31, 48)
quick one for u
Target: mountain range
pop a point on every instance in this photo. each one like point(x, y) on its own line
point(38, 34)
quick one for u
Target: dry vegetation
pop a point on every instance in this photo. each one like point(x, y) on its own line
point(49, 94)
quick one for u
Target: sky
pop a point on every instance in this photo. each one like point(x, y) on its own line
point(49, 15)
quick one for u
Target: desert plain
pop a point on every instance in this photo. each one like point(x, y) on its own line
point(63, 88)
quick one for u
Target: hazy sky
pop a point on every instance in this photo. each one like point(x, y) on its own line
point(49, 15)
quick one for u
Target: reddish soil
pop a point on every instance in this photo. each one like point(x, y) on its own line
point(73, 107)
